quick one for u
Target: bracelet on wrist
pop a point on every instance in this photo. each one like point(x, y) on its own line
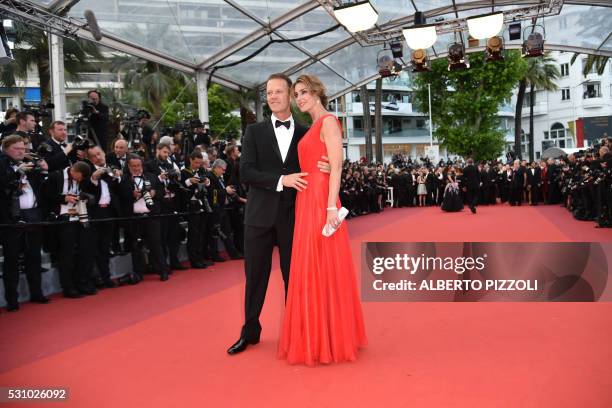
point(331, 208)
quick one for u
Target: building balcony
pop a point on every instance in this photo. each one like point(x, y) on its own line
point(593, 101)
point(388, 108)
point(539, 108)
point(404, 133)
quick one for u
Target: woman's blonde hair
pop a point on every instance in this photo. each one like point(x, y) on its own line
point(314, 85)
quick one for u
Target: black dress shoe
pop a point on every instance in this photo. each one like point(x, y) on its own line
point(164, 276)
point(109, 283)
point(178, 267)
point(237, 256)
point(40, 299)
point(240, 345)
point(218, 258)
point(72, 294)
point(198, 265)
point(88, 291)
point(473, 210)
point(12, 307)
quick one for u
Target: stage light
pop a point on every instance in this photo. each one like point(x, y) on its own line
point(421, 35)
point(514, 31)
point(495, 46)
point(419, 61)
point(356, 16)
point(485, 26)
point(456, 57)
point(534, 45)
point(387, 66)
point(397, 49)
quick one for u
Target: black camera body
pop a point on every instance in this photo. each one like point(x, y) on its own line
point(42, 110)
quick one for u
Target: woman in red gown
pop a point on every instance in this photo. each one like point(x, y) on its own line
point(323, 322)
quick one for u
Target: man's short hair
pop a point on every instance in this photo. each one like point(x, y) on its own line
point(82, 168)
point(94, 91)
point(229, 149)
point(282, 76)
point(55, 123)
point(132, 156)
point(23, 116)
point(11, 140)
point(196, 155)
point(162, 145)
point(219, 163)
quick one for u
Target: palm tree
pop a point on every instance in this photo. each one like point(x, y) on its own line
point(32, 49)
point(378, 120)
point(597, 61)
point(245, 99)
point(541, 73)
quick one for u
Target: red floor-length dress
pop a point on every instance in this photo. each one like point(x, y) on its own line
point(323, 322)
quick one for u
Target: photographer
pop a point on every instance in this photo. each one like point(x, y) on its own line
point(148, 134)
point(106, 178)
point(193, 176)
point(221, 227)
point(97, 115)
point(139, 194)
point(9, 126)
point(55, 151)
point(200, 137)
point(169, 176)
point(118, 156)
point(70, 194)
point(237, 201)
point(26, 125)
point(20, 184)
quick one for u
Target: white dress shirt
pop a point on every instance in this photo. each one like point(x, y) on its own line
point(27, 199)
point(140, 207)
point(283, 138)
point(70, 187)
point(105, 197)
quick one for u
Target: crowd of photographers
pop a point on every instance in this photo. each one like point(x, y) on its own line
point(84, 201)
point(90, 199)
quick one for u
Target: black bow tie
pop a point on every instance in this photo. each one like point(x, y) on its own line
point(286, 124)
point(63, 144)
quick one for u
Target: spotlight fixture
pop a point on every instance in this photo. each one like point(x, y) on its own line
point(514, 31)
point(495, 46)
point(485, 26)
point(387, 66)
point(534, 45)
point(357, 16)
point(421, 35)
point(456, 57)
point(397, 49)
point(419, 61)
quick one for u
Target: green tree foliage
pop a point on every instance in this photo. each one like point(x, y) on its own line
point(465, 103)
point(223, 124)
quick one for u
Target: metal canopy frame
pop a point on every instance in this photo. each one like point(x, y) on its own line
point(48, 19)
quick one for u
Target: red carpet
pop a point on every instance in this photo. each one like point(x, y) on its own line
point(162, 344)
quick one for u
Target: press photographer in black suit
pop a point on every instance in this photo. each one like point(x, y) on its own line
point(20, 185)
point(106, 179)
point(196, 182)
point(139, 194)
point(118, 155)
point(169, 177)
point(26, 126)
point(98, 117)
point(56, 152)
point(70, 194)
point(200, 137)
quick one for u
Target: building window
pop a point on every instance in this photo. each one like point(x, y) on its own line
point(560, 137)
point(527, 99)
point(420, 123)
point(592, 90)
point(593, 69)
point(564, 70)
point(546, 135)
point(565, 94)
point(5, 103)
point(358, 123)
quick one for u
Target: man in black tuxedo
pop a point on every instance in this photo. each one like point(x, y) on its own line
point(98, 118)
point(471, 178)
point(56, 152)
point(139, 193)
point(534, 181)
point(20, 185)
point(269, 165)
point(117, 158)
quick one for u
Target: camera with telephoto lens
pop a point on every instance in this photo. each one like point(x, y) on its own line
point(87, 108)
point(81, 143)
point(146, 193)
point(42, 110)
point(81, 207)
point(199, 199)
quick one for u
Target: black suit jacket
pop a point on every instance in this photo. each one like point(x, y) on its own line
point(55, 157)
point(261, 166)
point(126, 190)
point(535, 178)
point(471, 177)
point(113, 161)
point(8, 179)
point(53, 192)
